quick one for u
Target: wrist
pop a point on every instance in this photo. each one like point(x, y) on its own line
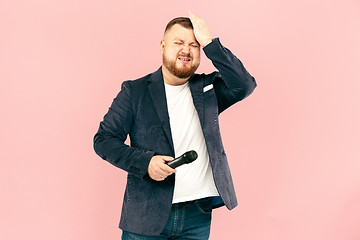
point(206, 42)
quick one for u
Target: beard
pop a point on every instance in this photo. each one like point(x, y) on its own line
point(184, 72)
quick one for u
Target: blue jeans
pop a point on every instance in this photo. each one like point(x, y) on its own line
point(189, 220)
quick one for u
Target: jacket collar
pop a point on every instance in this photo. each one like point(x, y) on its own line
point(157, 92)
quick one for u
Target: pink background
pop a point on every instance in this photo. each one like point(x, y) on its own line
point(295, 156)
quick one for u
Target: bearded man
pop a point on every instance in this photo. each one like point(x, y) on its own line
point(166, 114)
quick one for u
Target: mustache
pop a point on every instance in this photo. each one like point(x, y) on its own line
point(185, 55)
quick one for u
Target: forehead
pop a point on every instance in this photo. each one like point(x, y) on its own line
point(179, 32)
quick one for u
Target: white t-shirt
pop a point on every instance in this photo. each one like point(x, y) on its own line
point(194, 180)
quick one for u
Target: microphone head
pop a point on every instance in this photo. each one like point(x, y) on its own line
point(190, 156)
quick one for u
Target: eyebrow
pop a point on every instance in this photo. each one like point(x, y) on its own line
point(178, 39)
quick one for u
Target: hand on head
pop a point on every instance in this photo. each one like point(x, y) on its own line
point(201, 31)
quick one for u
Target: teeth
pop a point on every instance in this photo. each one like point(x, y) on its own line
point(183, 59)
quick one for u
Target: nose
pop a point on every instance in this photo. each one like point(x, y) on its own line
point(185, 49)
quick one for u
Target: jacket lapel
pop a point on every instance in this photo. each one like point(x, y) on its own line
point(196, 88)
point(157, 93)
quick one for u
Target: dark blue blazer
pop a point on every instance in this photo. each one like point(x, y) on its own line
point(140, 111)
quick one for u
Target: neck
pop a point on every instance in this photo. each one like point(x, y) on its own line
point(171, 79)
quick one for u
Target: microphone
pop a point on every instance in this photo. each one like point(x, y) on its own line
point(187, 157)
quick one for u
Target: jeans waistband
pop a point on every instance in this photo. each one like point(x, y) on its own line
point(206, 200)
point(181, 204)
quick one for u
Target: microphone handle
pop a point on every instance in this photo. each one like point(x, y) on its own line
point(176, 162)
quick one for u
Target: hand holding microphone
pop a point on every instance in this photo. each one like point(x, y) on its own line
point(160, 167)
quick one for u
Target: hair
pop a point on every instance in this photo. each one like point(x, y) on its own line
point(183, 21)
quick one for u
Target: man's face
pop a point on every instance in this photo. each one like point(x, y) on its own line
point(181, 51)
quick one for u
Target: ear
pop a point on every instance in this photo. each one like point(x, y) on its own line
point(162, 46)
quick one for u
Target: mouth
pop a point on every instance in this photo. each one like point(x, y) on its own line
point(184, 59)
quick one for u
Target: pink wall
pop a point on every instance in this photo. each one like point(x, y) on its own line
point(295, 158)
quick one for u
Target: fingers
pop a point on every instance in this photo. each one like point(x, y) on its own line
point(166, 169)
point(195, 19)
point(158, 170)
point(167, 158)
point(201, 31)
point(192, 16)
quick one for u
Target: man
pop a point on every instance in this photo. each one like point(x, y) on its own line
point(166, 114)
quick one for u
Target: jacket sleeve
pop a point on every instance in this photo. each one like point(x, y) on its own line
point(233, 82)
point(109, 140)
